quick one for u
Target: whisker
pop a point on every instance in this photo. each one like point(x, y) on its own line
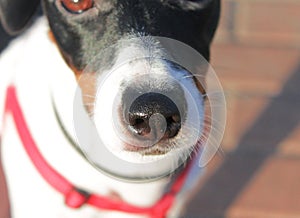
point(199, 75)
point(218, 131)
point(221, 152)
point(194, 75)
point(213, 119)
point(213, 94)
point(188, 76)
point(219, 148)
point(211, 141)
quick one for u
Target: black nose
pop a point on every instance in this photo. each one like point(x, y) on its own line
point(150, 104)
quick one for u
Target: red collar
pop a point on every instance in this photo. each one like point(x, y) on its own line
point(74, 196)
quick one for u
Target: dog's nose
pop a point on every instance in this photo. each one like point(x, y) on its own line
point(149, 104)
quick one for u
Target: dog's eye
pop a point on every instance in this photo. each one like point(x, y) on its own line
point(77, 6)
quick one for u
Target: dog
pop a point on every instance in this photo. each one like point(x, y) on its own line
point(132, 100)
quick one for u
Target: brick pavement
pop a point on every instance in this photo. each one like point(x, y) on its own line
point(257, 58)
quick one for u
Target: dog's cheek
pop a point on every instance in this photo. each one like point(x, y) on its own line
point(65, 35)
point(87, 84)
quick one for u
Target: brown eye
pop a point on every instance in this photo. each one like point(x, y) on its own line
point(77, 6)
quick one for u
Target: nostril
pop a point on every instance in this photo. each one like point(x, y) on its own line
point(139, 122)
point(139, 125)
point(173, 126)
point(148, 104)
point(173, 119)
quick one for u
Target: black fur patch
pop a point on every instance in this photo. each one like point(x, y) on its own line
point(81, 38)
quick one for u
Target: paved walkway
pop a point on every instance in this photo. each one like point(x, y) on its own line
point(258, 173)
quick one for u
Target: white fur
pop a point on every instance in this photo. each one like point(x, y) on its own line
point(33, 64)
point(133, 63)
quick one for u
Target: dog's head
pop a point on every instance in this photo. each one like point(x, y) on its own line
point(152, 105)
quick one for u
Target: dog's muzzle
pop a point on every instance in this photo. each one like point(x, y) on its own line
point(146, 114)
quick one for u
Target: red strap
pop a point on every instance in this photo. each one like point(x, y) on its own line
point(75, 197)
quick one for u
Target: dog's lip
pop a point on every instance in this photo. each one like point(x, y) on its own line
point(150, 150)
point(156, 149)
point(130, 147)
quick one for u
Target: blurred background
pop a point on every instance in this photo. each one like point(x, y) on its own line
point(256, 54)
